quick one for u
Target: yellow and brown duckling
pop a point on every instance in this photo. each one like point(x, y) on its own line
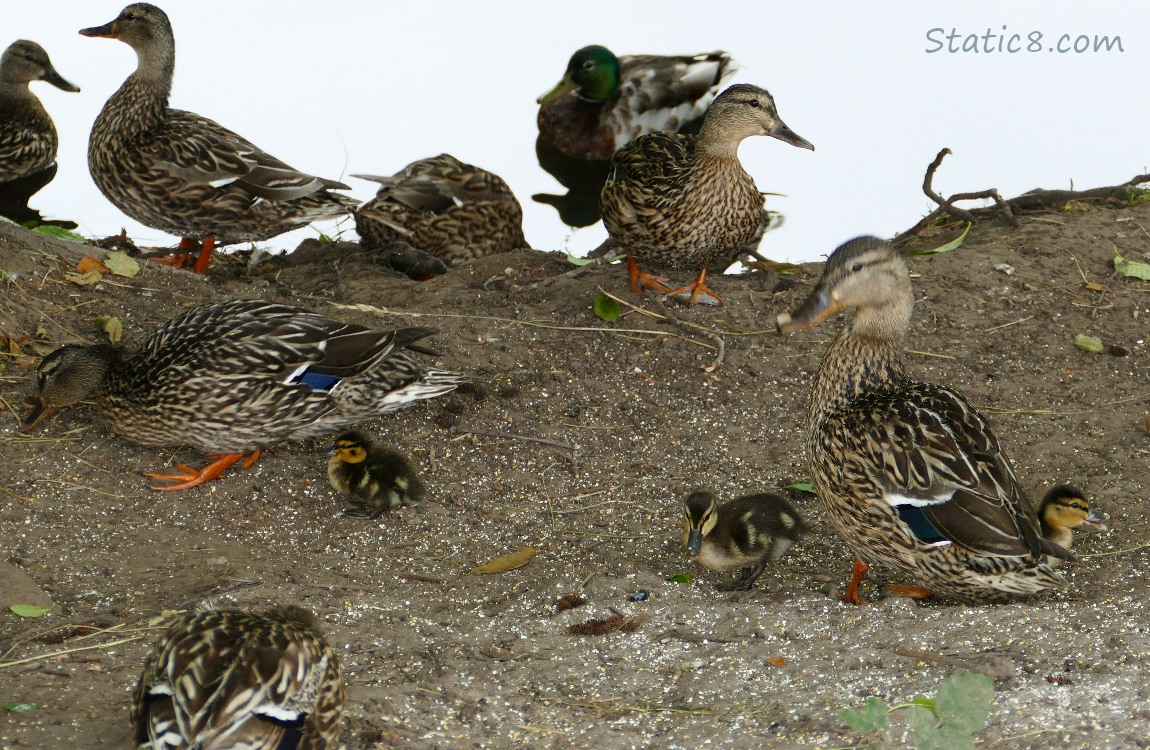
point(28, 139)
point(375, 478)
point(1064, 509)
point(685, 202)
point(227, 679)
point(185, 174)
point(747, 533)
point(910, 473)
point(454, 211)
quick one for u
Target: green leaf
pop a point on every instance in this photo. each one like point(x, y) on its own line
point(952, 245)
point(20, 707)
point(963, 701)
point(606, 308)
point(680, 578)
point(1131, 268)
point(579, 261)
point(925, 728)
point(801, 487)
point(120, 264)
point(1088, 343)
point(871, 718)
point(59, 233)
point(29, 610)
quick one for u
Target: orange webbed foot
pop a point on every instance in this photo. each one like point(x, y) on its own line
point(699, 291)
point(641, 281)
point(852, 595)
point(187, 476)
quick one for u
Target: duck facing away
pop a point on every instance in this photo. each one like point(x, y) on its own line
point(454, 211)
point(375, 478)
point(910, 473)
point(685, 202)
point(184, 174)
point(234, 378)
point(227, 679)
point(748, 533)
point(1064, 509)
point(28, 139)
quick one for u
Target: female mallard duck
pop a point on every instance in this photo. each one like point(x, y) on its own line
point(236, 377)
point(184, 174)
point(442, 206)
point(1064, 509)
point(28, 138)
point(747, 533)
point(603, 102)
point(685, 201)
point(225, 679)
point(910, 473)
point(376, 478)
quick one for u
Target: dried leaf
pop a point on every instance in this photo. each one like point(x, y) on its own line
point(569, 601)
point(120, 264)
point(28, 610)
point(603, 627)
point(111, 326)
point(777, 661)
point(88, 263)
point(1086, 343)
point(782, 269)
point(507, 562)
point(1094, 286)
point(84, 279)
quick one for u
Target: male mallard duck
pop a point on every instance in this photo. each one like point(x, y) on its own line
point(910, 473)
point(376, 478)
point(748, 532)
point(455, 211)
point(226, 679)
point(685, 201)
point(184, 174)
point(603, 102)
point(1064, 509)
point(236, 377)
point(28, 138)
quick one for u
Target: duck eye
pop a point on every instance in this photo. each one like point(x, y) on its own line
point(589, 65)
point(856, 267)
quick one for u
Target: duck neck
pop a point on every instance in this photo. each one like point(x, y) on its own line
point(142, 102)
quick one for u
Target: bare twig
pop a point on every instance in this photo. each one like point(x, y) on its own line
point(512, 436)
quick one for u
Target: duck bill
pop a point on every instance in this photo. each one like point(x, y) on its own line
point(107, 31)
point(565, 86)
point(38, 414)
point(814, 310)
point(1096, 520)
point(786, 135)
point(694, 542)
point(57, 80)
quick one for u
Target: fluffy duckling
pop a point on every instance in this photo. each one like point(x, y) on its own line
point(1064, 509)
point(226, 679)
point(374, 477)
point(748, 532)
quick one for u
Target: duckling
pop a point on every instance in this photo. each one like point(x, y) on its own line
point(1064, 509)
point(227, 679)
point(374, 477)
point(748, 532)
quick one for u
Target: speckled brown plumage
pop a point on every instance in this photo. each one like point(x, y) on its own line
point(374, 478)
point(185, 174)
point(910, 473)
point(233, 680)
point(455, 211)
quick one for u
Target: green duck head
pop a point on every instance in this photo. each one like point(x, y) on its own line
point(593, 74)
point(25, 61)
point(66, 376)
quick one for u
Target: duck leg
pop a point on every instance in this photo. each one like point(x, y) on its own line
point(746, 580)
point(852, 595)
point(698, 289)
point(914, 592)
point(205, 254)
point(640, 280)
point(188, 476)
point(177, 259)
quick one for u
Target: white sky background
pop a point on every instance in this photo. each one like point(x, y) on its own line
point(357, 86)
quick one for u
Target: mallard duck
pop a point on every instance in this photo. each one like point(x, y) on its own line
point(747, 532)
point(183, 174)
point(1063, 509)
point(376, 478)
point(227, 679)
point(236, 377)
point(28, 138)
point(603, 102)
point(910, 473)
point(455, 211)
point(685, 202)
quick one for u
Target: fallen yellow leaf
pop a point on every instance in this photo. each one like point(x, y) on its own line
point(88, 263)
point(88, 277)
point(111, 326)
point(120, 264)
point(507, 562)
point(778, 661)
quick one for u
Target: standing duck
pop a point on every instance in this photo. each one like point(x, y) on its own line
point(374, 477)
point(234, 378)
point(28, 139)
point(685, 202)
point(227, 679)
point(183, 174)
point(1063, 509)
point(910, 473)
point(454, 211)
point(747, 533)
